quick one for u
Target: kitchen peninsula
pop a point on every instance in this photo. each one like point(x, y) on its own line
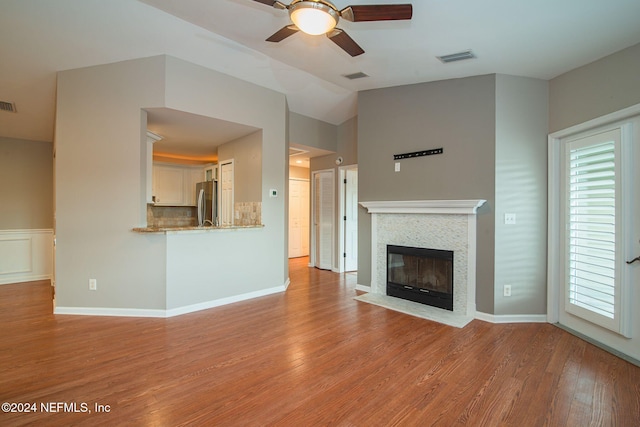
point(194, 229)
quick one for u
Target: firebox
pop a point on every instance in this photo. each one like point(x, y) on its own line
point(421, 275)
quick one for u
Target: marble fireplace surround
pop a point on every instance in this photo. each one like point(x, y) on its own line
point(436, 224)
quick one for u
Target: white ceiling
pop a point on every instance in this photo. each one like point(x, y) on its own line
point(192, 136)
point(540, 39)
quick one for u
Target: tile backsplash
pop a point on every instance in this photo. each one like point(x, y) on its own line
point(171, 216)
point(248, 213)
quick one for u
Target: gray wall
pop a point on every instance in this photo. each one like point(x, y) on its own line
point(26, 184)
point(100, 180)
point(101, 187)
point(604, 86)
point(311, 132)
point(458, 115)
point(346, 143)
point(521, 188)
point(246, 153)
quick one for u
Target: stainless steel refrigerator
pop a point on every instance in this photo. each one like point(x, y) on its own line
point(207, 197)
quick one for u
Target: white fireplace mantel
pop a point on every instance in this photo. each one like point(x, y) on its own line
point(436, 224)
point(425, 206)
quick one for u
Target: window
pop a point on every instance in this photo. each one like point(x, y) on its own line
point(593, 226)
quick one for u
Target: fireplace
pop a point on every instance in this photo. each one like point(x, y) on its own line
point(421, 275)
point(442, 224)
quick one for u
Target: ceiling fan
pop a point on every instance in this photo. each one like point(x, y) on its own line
point(318, 17)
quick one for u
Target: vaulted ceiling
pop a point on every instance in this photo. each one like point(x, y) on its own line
point(540, 39)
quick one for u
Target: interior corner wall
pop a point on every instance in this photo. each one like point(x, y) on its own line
point(521, 189)
point(311, 132)
point(219, 260)
point(26, 184)
point(456, 115)
point(99, 190)
point(246, 153)
point(596, 89)
point(346, 144)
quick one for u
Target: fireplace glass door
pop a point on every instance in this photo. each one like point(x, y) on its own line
point(420, 275)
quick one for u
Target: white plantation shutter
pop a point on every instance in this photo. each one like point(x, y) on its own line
point(592, 232)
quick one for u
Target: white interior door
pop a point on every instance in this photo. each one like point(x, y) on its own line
point(598, 233)
point(323, 185)
point(351, 220)
point(298, 218)
point(226, 193)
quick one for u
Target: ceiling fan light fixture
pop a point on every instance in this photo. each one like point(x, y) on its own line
point(313, 18)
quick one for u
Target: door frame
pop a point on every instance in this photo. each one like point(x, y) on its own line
point(342, 194)
point(233, 186)
point(555, 246)
point(308, 181)
point(312, 244)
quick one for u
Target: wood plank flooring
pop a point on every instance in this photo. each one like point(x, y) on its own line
point(312, 356)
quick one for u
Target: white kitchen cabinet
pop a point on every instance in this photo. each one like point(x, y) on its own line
point(175, 185)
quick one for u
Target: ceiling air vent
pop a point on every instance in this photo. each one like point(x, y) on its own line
point(9, 107)
point(354, 76)
point(296, 151)
point(460, 56)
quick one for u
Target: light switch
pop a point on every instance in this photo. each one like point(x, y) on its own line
point(509, 218)
point(397, 166)
point(273, 193)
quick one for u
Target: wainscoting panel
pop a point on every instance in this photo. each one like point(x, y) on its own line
point(25, 255)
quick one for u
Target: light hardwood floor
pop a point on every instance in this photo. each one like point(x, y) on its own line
point(312, 356)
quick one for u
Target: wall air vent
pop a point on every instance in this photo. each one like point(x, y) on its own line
point(9, 107)
point(354, 76)
point(460, 56)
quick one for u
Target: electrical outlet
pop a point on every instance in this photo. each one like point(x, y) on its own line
point(507, 290)
point(509, 218)
point(93, 285)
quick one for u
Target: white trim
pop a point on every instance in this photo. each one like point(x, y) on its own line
point(626, 113)
point(511, 318)
point(374, 248)
point(34, 260)
point(28, 231)
point(342, 175)
point(115, 312)
point(438, 207)
point(141, 312)
point(224, 301)
point(425, 206)
point(363, 288)
point(471, 264)
point(313, 257)
point(233, 187)
point(554, 189)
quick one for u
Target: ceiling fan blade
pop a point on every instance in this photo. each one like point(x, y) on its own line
point(283, 33)
point(343, 40)
point(275, 3)
point(377, 12)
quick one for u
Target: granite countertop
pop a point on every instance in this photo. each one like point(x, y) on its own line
point(193, 229)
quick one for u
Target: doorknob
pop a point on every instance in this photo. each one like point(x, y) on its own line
point(634, 260)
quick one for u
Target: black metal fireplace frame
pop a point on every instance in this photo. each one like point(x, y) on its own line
point(430, 297)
